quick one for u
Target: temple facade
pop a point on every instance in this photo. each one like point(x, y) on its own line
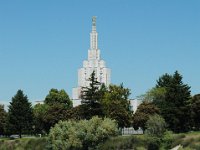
point(93, 63)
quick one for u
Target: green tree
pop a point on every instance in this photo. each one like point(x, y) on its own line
point(3, 117)
point(155, 126)
point(39, 112)
point(90, 98)
point(195, 111)
point(156, 95)
point(83, 134)
point(174, 105)
point(54, 114)
point(142, 114)
point(56, 96)
point(55, 108)
point(20, 114)
point(116, 104)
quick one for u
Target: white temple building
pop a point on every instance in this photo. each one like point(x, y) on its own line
point(93, 63)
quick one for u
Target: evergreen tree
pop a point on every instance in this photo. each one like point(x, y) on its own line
point(174, 105)
point(195, 109)
point(3, 117)
point(20, 114)
point(90, 98)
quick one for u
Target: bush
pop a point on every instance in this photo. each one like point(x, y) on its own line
point(82, 134)
point(168, 139)
point(153, 143)
point(155, 126)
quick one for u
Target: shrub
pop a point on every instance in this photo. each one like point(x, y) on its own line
point(153, 143)
point(155, 126)
point(82, 134)
point(168, 139)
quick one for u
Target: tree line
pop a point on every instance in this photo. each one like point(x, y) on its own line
point(170, 99)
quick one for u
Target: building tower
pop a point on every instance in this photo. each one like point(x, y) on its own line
point(93, 63)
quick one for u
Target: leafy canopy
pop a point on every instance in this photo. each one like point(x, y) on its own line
point(155, 126)
point(116, 104)
point(83, 134)
point(56, 96)
point(3, 117)
point(142, 114)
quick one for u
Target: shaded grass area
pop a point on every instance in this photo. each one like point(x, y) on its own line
point(23, 144)
point(189, 141)
point(136, 142)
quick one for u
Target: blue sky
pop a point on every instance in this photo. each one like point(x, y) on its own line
point(43, 43)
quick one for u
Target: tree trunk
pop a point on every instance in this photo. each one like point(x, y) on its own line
point(20, 133)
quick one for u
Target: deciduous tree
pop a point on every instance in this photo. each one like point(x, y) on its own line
point(116, 104)
point(55, 108)
point(142, 114)
point(56, 96)
point(3, 117)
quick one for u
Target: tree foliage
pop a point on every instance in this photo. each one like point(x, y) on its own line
point(39, 112)
point(84, 134)
point(116, 104)
point(90, 98)
point(142, 114)
point(156, 95)
point(174, 105)
point(155, 126)
point(56, 96)
point(195, 111)
point(3, 117)
point(54, 109)
point(20, 114)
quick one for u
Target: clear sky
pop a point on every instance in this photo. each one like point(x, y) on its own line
point(43, 43)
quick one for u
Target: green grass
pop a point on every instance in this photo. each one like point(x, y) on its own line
point(23, 144)
point(189, 141)
point(136, 142)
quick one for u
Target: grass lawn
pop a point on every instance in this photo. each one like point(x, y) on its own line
point(23, 144)
point(189, 141)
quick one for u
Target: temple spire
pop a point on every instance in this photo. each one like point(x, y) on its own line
point(93, 35)
point(94, 23)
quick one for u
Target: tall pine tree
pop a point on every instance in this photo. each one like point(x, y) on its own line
point(174, 107)
point(20, 114)
point(90, 99)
